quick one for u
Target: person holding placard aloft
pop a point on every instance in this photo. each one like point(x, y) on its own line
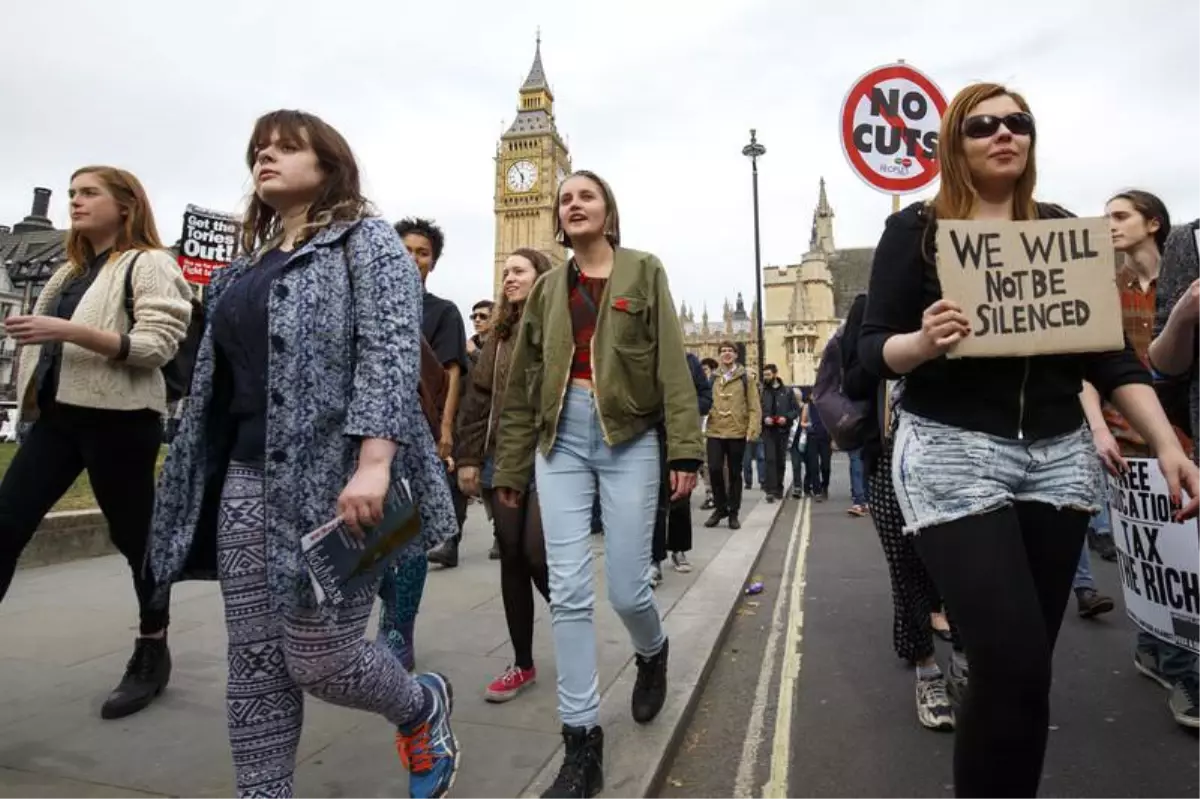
point(994, 468)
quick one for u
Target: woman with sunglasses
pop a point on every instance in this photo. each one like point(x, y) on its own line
point(994, 468)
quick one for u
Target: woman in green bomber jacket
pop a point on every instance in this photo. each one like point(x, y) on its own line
point(598, 373)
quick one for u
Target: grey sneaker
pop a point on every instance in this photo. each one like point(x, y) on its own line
point(680, 562)
point(933, 705)
point(1147, 665)
point(656, 576)
point(1183, 702)
point(957, 680)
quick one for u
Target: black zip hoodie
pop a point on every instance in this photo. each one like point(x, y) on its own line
point(1016, 398)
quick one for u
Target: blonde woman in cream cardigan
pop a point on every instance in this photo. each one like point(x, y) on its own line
point(91, 383)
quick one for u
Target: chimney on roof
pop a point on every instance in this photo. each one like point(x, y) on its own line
point(38, 218)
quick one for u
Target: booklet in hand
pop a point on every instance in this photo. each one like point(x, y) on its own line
point(340, 564)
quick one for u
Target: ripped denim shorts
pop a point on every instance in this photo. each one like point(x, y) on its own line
point(944, 473)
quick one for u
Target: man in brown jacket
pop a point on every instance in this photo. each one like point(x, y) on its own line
point(735, 419)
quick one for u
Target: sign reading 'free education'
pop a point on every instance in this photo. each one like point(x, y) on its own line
point(1031, 288)
point(1157, 556)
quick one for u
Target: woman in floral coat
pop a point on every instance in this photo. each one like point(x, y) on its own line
point(304, 406)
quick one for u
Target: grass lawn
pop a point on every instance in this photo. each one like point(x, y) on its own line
point(79, 497)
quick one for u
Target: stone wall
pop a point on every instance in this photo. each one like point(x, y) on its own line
point(66, 536)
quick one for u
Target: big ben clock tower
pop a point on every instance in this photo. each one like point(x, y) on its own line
point(531, 160)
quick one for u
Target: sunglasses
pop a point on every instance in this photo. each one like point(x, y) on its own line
point(984, 125)
point(481, 315)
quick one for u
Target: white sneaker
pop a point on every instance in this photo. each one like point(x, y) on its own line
point(933, 705)
point(656, 576)
point(680, 562)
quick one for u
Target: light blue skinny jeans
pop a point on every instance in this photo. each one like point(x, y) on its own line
point(627, 478)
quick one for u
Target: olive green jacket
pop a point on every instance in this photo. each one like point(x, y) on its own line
point(639, 368)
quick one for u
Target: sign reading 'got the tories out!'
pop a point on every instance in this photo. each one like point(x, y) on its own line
point(210, 241)
point(1031, 288)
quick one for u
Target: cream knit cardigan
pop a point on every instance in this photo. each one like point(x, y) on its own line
point(162, 307)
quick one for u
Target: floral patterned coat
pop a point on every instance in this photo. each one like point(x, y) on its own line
point(343, 364)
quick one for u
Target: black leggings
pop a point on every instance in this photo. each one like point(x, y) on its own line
point(522, 568)
point(1007, 576)
point(118, 449)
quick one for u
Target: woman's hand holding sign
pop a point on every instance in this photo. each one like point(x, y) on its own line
point(942, 326)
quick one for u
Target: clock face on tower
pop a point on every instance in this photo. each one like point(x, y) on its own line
point(522, 176)
point(562, 175)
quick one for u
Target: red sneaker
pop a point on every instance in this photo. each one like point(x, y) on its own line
point(510, 683)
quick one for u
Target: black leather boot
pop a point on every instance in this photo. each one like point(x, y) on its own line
point(582, 771)
point(650, 687)
point(146, 675)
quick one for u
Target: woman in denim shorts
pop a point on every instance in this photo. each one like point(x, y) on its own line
point(993, 467)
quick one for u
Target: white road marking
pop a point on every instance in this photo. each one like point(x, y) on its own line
point(743, 786)
point(777, 785)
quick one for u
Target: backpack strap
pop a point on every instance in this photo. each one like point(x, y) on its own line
point(129, 288)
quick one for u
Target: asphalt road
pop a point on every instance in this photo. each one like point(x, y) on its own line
point(853, 727)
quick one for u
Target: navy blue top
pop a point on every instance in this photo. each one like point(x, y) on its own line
point(64, 305)
point(240, 334)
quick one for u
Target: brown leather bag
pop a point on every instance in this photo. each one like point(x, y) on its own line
point(432, 389)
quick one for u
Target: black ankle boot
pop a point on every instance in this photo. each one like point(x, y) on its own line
point(650, 687)
point(146, 675)
point(582, 772)
point(715, 519)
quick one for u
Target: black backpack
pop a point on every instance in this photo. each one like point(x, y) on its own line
point(177, 373)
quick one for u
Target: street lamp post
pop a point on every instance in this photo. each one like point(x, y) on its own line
point(754, 151)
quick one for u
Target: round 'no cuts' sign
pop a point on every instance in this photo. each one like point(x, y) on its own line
point(889, 128)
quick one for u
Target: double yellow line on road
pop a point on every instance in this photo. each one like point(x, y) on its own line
point(787, 620)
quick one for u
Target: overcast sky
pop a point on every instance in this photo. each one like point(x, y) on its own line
point(656, 96)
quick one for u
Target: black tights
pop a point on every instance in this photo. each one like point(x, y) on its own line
point(117, 449)
point(522, 568)
point(1007, 577)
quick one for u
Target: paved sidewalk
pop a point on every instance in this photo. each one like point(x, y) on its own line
point(68, 629)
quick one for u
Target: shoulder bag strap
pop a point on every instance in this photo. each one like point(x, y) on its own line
point(129, 288)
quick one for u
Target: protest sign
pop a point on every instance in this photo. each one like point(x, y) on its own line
point(1157, 557)
point(1031, 288)
point(889, 128)
point(210, 241)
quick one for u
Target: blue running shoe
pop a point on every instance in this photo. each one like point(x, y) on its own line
point(430, 751)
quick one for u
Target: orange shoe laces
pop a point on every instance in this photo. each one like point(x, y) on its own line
point(414, 750)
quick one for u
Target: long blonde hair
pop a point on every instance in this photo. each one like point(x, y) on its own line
point(138, 231)
point(957, 196)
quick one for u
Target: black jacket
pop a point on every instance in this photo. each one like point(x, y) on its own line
point(778, 400)
point(1031, 398)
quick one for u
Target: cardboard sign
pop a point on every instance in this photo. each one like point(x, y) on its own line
point(1031, 288)
point(1157, 557)
point(889, 128)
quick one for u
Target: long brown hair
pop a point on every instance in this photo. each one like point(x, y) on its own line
point(612, 219)
point(340, 199)
point(138, 231)
point(957, 196)
point(507, 313)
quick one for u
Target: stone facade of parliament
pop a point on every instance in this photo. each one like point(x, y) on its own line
point(805, 302)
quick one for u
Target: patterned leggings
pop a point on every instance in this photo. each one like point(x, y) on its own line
point(274, 657)
point(401, 592)
point(914, 595)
